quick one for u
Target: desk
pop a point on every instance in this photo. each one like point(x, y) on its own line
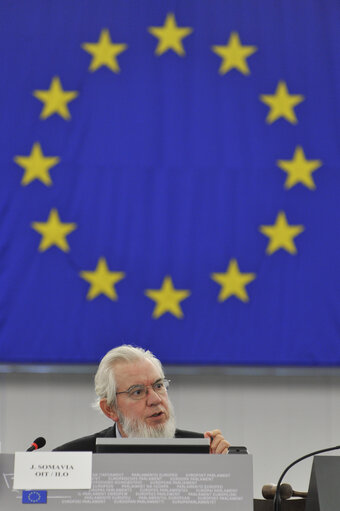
point(287, 505)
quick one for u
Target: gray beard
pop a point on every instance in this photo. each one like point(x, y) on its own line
point(136, 428)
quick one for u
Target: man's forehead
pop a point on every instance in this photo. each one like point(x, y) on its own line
point(138, 371)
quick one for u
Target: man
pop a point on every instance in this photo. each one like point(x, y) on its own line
point(132, 391)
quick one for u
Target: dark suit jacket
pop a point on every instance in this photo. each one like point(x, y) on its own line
point(88, 443)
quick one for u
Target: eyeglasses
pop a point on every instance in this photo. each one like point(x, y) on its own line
point(137, 392)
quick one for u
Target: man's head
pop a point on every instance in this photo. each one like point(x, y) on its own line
point(120, 371)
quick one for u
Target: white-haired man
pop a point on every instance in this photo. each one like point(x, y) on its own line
point(132, 391)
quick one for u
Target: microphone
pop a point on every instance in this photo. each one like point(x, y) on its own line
point(286, 491)
point(37, 444)
point(277, 497)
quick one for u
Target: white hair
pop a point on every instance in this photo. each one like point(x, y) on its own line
point(105, 382)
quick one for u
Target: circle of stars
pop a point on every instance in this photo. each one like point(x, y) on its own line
point(234, 56)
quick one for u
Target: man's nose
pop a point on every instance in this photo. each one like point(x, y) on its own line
point(152, 397)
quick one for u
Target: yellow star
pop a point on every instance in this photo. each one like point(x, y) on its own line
point(233, 282)
point(234, 55)
point(281, 234)
point(36, 166)
point(55, 99)
point(102, 280)
point(170, 36)
point(167, 299)
point(53, 232)
point(299, 169)
point(281, 104)
point(104, 52)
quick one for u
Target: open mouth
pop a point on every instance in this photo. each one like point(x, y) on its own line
point(158, 414)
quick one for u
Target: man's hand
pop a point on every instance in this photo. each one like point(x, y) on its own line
point(218, 444)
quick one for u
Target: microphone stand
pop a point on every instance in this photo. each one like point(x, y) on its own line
point(277, 498)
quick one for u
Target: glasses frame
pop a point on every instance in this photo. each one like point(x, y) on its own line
point(165, 381)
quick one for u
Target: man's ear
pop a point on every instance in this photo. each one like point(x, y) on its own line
point(109, 411)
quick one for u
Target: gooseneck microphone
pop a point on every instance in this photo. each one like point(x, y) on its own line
point(37, 444)
point(277, 498)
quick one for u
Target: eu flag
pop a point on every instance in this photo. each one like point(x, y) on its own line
point(169, 178)
point(34, 497)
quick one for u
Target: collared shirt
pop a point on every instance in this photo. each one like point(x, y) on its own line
point(118, 435)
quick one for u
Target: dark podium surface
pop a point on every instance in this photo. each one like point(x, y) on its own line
point(286, 505)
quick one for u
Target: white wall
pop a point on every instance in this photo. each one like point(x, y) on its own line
point(278, 418)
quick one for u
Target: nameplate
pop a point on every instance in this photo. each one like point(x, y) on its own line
point(52, 470)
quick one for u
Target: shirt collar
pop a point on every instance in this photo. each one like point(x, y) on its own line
point(118, 435)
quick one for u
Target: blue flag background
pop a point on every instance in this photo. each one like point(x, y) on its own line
point(34, 497)
point(170, 178)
